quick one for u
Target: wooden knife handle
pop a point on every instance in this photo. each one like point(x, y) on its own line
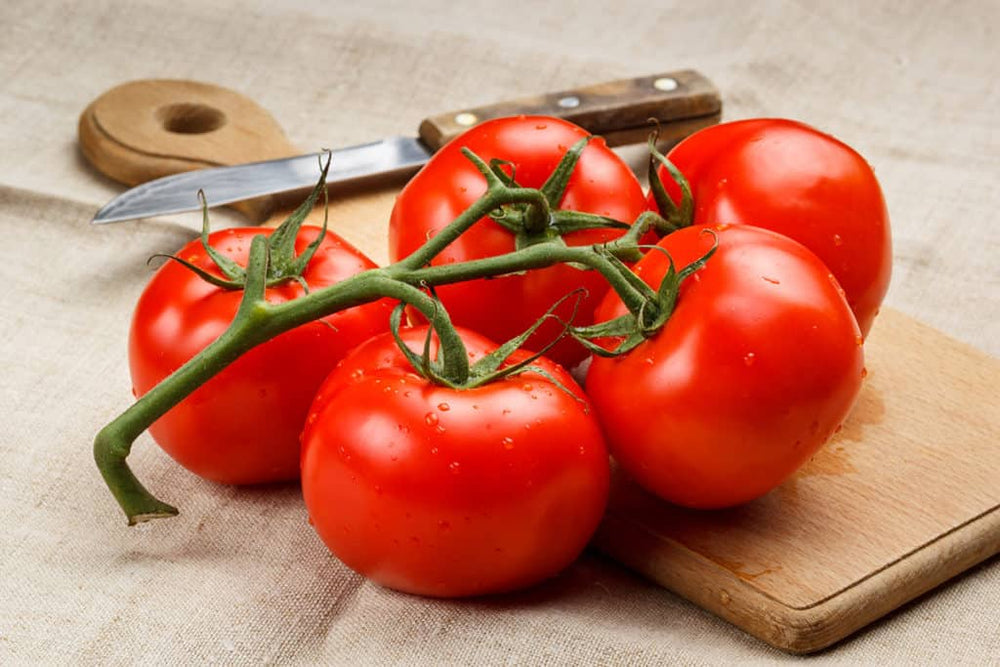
point(682, 101)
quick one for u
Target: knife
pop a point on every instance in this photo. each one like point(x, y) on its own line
point(175, 138)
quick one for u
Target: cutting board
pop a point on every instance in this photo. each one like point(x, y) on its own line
point(904, 497)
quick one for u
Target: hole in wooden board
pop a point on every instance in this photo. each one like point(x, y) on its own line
point(187, 118)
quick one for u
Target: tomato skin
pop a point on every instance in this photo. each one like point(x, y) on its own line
point(792, 179)
point(757, 367)
point(242, 426)
point(449, 183)
point(448, 493)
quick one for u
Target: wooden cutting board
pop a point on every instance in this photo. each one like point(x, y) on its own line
point(904, 497)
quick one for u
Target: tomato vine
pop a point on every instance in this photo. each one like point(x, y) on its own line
point(257, 320)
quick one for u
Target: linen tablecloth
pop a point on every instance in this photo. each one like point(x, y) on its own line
point(240, 578)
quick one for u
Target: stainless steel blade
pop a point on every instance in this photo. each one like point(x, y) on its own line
point(393, 156)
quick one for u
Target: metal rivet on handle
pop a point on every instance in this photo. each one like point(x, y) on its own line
point(465, 118)
point(569, 102)
point(665, 84)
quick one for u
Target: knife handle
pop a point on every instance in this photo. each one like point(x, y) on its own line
point(620, 111)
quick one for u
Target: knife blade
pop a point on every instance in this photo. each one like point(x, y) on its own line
point(682, 102)
point(225, 185)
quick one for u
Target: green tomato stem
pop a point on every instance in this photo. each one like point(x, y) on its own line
point(257, 321)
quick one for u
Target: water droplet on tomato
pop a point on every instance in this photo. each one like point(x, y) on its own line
point(773, 281)
point(454, 467)
point(859, 340)
point(527, 386)
point(378, 490)
point(505, 411)
point(444, 407)
point(431, 419)
point(541, 126)
point(135, 393)
point(864, 373)
point(648, 361)
point(434, 450)
point(837, 240)
point(508, 443)
point(749, 358)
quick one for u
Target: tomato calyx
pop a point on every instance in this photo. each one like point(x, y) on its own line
point(283, 264)
point(676, 216)
point(543, 221)
point(649, 318)
point(441, 368)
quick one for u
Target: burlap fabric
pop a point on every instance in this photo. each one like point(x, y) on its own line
point(241, 578)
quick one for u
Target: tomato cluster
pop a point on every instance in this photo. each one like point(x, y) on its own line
point(735, 372)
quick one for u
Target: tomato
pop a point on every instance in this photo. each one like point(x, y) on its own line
point(756, 368)
point(797, 181)
point(446, 492)
point(242, 426)
point(503, 307)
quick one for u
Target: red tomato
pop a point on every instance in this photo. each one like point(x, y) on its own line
point(242, 426)
point(504, 307)
point(797, 181)
point(445, 492)
point(757, 367)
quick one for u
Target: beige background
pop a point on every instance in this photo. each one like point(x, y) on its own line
point(240, 578)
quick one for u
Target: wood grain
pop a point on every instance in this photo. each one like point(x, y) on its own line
point(906, 496)
point(620, 111)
